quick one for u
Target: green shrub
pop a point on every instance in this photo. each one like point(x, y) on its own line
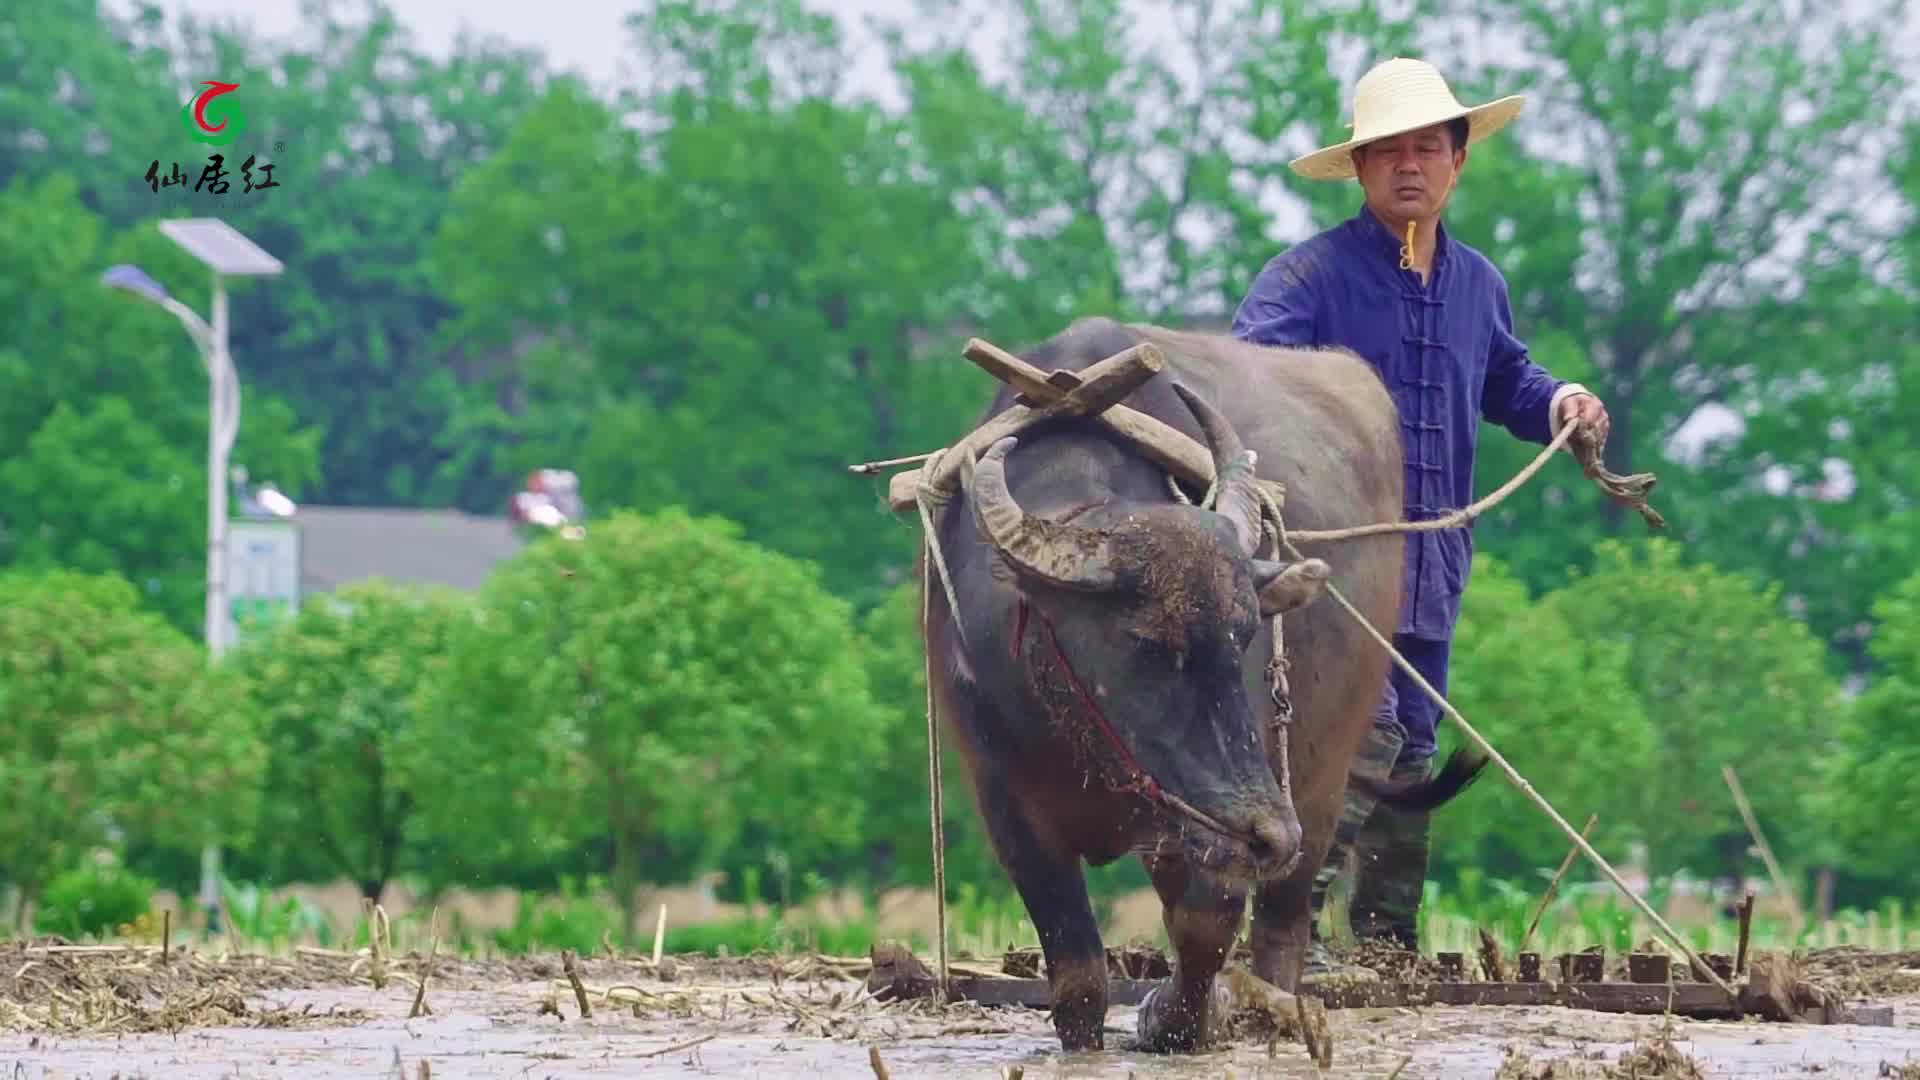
point(91, 900)
point(579, 919)
point(252, 916)
point(746, 936)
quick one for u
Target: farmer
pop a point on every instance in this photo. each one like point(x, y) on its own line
point(1432, 316)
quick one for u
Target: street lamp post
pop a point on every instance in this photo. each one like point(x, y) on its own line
point(226, 253)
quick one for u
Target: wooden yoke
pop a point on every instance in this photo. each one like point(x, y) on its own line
point(1094, 392)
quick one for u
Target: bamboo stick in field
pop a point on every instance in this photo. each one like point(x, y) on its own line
point(1547, 897)
point(1766, 851)
point(1746, 933)
point(1486, 748)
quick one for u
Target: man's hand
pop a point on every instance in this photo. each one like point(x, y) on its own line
point(1591, 414)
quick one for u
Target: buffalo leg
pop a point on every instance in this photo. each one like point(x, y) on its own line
point(1202, 917)
point(1283, 927)
point(1054, 891)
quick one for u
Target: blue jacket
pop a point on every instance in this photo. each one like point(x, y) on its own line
point(1447, 353)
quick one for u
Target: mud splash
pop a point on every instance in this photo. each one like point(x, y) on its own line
point(1855, 972)
point(1652, 1058)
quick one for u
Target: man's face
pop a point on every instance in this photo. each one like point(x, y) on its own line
point(1411, 175)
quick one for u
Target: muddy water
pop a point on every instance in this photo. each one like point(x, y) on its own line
point(502, 1031)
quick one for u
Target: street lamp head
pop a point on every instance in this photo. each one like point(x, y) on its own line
point(274, 502)
point(135, 280)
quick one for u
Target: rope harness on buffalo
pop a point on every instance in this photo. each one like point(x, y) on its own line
point(1095, 393)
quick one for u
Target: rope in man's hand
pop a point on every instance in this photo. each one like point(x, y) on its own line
point(1574, 436)
point(1629, 491)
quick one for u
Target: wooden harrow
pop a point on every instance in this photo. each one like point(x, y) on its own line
point(1773, 989)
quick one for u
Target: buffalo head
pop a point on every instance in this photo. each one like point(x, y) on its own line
point(1151, 606)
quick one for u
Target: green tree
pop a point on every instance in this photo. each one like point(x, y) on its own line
point(1841, 446)
point(794, 268)
point(1561, 708)
point(108, 494)
point(660, 684)
point(368, 134)
point(1724, 679)
point(112, 720)
point(898, 841)
point(1105, 174)
point(103, 407)
point(1714, 253)
point(1824, 485)
point(1691, 185)
point(337, 689)
point(1871, 798)
point(86, 91)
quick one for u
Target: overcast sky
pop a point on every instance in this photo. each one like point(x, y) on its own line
point(587, 36)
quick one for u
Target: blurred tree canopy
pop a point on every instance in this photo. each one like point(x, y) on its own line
point(338, 691)
point(1724, 679)
point(661, 683)
point(1868, 793)
point(114, 723)
point(1563, 710)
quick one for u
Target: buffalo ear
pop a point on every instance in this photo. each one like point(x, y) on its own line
point(1284, 586)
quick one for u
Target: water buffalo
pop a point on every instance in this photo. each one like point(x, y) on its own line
point(1111, 694)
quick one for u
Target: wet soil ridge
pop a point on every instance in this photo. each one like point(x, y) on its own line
point(768, 1013)
point(1776, 986)
point(95, 1010)
point(52, 986)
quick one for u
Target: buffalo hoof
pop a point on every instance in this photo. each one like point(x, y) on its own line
point(1077, 1036)
point(1168, 1027)
point(1080, 1005)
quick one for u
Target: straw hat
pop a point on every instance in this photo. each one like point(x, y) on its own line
point(1401, 95)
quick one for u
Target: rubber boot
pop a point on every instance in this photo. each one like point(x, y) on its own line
point(1373, 760)
point(1391, 874)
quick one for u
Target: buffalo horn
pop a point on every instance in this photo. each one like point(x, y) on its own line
point(1237, 499)
point(1285, 586)
point(1064, 555)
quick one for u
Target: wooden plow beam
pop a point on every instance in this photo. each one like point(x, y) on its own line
point(1094, 393)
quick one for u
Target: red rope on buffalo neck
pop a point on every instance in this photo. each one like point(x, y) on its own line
point(1141, 782)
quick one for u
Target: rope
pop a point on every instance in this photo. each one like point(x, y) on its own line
point(1629, 490)
point(1480, 741)
point(935, 801)
point(1526, 788)
point(1453, 520)
point(925, 497)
